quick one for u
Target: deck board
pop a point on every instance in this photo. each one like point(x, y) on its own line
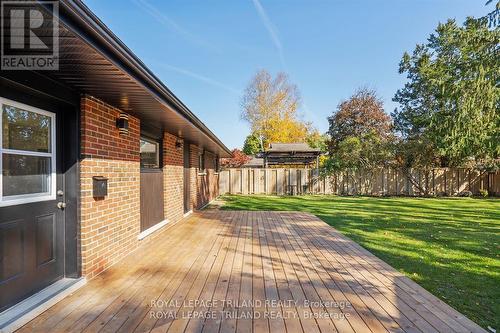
point(228, 265)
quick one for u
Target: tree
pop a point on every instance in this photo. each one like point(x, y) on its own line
point(361, 136)
point(317, 140)
point(416, 153)
point(451, 100)
point(237, 160)
point(252, 144)
point(364, 152)
point(493, 17)
point(270, 106)
point(361, 115)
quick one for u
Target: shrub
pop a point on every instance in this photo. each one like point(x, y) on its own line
point(483, 193)
point(465, 194)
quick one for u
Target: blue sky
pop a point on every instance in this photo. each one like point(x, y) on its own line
point(206, 52)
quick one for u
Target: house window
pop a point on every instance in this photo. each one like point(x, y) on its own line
point(27, 154)
point(216, 164)
point(201, 162)
point(150, 154)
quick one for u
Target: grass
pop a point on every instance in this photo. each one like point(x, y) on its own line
point(450, 246)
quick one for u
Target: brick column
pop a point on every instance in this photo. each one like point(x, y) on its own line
point(173, 178)
point(109, 225)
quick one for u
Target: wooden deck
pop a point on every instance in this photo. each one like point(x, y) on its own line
point(224, 271)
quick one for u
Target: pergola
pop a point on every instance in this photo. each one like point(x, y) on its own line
point(291, 154)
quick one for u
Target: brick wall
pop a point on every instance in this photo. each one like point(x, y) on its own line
point(193, 163)
point(173, 178)
point(110, 225)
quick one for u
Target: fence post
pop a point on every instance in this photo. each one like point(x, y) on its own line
point(382, 174)
point(397, 181)
point(408, 183)
point(445, 177)
point(433, 182)
point(265, 180)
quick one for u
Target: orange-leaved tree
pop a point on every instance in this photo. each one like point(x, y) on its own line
point(237, 159)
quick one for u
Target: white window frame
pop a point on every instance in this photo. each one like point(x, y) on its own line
point(34, 197)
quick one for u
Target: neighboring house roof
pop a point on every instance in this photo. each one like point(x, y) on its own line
point(94, 61)
point(254, 162)
point(291, 147)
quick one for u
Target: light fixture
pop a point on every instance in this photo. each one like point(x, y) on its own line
point(122, 123)
point(178, 144)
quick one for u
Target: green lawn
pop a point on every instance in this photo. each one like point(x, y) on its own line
point(449, 246)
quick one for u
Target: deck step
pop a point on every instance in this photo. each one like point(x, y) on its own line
point(21, 313)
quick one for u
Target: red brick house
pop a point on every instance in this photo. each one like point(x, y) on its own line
point(95, 157)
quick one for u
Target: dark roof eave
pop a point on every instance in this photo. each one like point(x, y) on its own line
point(119, 52)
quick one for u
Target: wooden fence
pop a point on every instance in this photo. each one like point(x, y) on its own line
point(443, 181)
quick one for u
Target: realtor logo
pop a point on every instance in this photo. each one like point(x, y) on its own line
point(30, 35)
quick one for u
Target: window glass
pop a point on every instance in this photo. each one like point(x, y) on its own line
point(25, 130)
point(24, 174)
point(149, 154)
point(26, 154)
point(201, 162)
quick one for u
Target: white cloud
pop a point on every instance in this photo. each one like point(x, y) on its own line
point(201, 78)
point(171, 24)
point(271, 29)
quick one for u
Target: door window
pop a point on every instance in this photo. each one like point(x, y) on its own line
point(27, 154)
point(150, 154)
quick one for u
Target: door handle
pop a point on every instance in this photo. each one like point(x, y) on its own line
point(61, 205)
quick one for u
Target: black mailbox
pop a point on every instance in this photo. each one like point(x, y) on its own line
point(100, 186)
